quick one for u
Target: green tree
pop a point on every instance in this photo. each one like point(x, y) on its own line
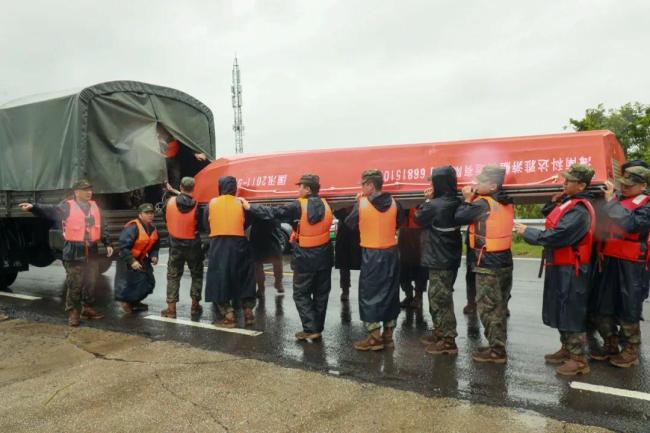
point(630, 123)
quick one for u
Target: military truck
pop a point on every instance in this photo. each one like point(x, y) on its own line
point(115, 135)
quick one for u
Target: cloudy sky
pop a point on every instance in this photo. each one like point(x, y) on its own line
point(334, 73)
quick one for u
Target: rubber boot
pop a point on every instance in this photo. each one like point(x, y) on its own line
point(387, 336)
point(89, 313)
point(373, 342)
point(249, 317)
point(627, 358)
point(558, 357)
point(73, 318)
point(170, 311)
point(444, 346)
point(196, 307)
point(575, 365)
point(610, 349)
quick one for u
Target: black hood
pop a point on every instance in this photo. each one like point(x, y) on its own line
point(444, 182)
point(227, 185)
point(315, 209)
point(381, 201)
point(185, 203)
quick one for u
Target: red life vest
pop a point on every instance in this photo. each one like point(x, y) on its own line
point(172, 149)
point(627, 246)
point(180, 225)
point(313, 235)
point(144, 243)
point(377, 228)
point(495, 233)
point(75, 228)
point(410, 221)
point(572, 255)
point(226, 216)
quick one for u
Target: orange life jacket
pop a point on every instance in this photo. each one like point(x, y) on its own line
point(226, 216)
point(180, 225)
point(623, 245)
point(313, 235)
point(410, 221)
point(75, 228)
point(144, 243)
point(377, 228)
point(172, 149)
point(574, 255)
point(495, 233)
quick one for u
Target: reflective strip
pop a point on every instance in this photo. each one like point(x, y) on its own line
point(449, 229)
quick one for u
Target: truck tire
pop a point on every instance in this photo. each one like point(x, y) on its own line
point(40, 256)
point(7, 280)
point(104, 264)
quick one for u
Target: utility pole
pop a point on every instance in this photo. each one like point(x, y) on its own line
point(238, 125)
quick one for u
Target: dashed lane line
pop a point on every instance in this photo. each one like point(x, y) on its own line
point(19, 296)
point(240, 331)
point(609, 390)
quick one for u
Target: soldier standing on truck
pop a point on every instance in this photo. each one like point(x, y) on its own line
point(377, 215)
point(83, 227)
point(182, 215)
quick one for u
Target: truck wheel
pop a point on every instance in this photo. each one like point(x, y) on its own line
point(104, 264)
point(40, 256)
point(7, 280)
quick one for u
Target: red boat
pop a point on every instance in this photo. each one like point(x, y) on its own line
point(532, 165)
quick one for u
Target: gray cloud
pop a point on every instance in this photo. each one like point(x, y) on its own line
point(344, 73)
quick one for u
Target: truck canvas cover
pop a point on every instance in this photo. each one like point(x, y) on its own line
point(532, 166)
point(108, 133)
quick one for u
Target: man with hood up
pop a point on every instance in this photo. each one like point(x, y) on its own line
point(567, 241)
point(377, 215)
point(622, 282)
point(441, 254)
point(489, 213)
point(312, 252)
point(182, 216)
point(231, 272)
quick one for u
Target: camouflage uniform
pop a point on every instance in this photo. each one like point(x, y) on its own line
point(574, 342)
point(441, 301)
point(80, 280)
point(371, 326)
point(493, 292)
point(178, 255)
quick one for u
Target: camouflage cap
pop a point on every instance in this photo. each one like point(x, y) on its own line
point(492, 173)
point(187, 183)
point(371, 174)
point(635, 175)
point(145, 207)
point(82, 184)
point(309, 180)
point(579, 173)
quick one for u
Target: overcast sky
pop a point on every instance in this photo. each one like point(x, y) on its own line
point(344, 73)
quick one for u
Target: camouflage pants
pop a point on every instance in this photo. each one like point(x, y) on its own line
point(608, 327)
point(80, 280)
point(227, 307)
point(493, 288)
point(371, 326)
point(574, 342)
point(178, 256)
point(441, 301)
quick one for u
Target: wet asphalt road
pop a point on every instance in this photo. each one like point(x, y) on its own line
point(524, 382)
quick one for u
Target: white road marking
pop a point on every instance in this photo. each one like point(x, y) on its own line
point(611, 391)
point(248, 332)
point(19, 296)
